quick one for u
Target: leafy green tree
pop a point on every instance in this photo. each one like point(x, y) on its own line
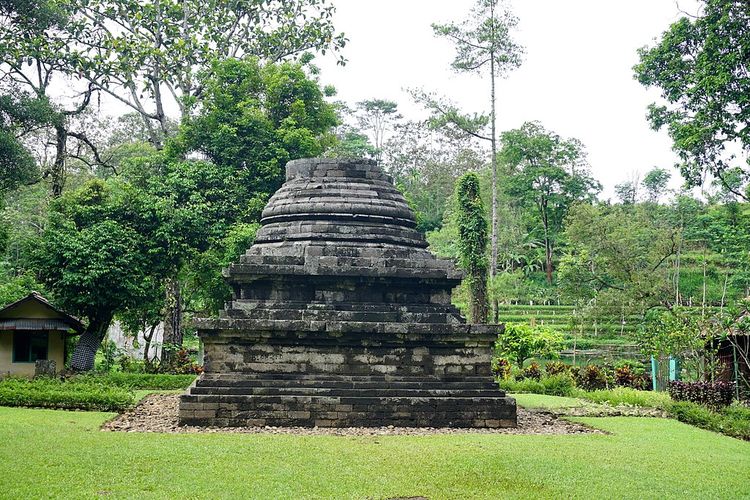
point(99, 256)
point(38, 45)
point(483, 45)
point(159, 49)
point(377, 116)
point(619, 255)
point(18, 114)
point(253, 118)
point(655, 182)
point(700, 65)
point(472, 242)
point(627, 192)
point(519, 342)
point(547, 174)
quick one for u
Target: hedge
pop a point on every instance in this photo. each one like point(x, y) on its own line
point(67, 395)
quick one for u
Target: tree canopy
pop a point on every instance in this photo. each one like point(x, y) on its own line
point(700, 65)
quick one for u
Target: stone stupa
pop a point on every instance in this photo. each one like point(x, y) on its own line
point(341, 317)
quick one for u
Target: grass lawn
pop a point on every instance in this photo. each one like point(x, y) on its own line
point(48, 453)
point(546, 402)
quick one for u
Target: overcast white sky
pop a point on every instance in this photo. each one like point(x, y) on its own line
point(576, 78)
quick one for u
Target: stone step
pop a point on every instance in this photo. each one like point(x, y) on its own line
point(340, 384)
point(302, 377)
point(337, 306)
point(346, 392)
point(331, 315)
point(327, 411)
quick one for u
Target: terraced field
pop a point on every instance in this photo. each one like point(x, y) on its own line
point(608, 334)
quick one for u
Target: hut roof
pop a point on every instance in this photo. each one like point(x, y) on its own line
point(34, 312)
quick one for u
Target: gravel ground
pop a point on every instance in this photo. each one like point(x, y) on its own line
point(158, 413)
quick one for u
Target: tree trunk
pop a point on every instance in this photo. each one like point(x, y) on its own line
point(172, 322)
point(147, 343)
point(547, 242)
point(88, 344)
point(479, 302)
point(493, 251)
point(57, 174)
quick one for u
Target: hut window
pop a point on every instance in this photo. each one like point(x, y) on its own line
point(28, 346)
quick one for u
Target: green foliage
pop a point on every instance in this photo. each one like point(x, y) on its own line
point(20, 113)
point(546, 176)
point(590, 377)
point(618, 255)
point(733, 421)
point(254, 118)
point(100, 250)
point(624, 396)
point(13, 288)
point(554, 385)
point(472, 242)
point(84, 394)
point(137, 381)
point(519, 342)
point(655, 182)
point(667, 333)
point(700, 65)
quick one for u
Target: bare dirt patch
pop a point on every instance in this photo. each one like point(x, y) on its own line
point(158, 413)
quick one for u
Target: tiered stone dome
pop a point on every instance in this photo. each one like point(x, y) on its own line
point(342, 218)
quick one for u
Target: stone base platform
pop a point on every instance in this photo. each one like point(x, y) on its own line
point(317, 400)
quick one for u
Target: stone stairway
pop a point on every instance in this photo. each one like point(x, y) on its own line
point(318, 400)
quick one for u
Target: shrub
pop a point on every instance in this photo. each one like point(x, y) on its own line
point(501, 368)
point(69, 394)
point(557, 385)
point(153, 381)
point(556, 368)
point(732, 421)
point(519, 342)
point(624, 376)
point(714, 395)
point(626, 396)
point(561, 384)
point(590, 377)
point(533, 371)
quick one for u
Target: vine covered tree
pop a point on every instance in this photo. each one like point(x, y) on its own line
point(701, 66)
point(472, 242)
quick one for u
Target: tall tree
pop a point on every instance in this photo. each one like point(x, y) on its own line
point(484, 45)
point(150, 54)
point(549, 174)
point(39, 44)
point(98, 256)
point(377, 116)
point(472, 242)
point(701, 66)
point(655, 182)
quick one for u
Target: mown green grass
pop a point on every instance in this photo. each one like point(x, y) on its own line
point(45, 453)
point(546, 402)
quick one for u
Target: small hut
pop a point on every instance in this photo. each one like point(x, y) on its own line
point(32, 336)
